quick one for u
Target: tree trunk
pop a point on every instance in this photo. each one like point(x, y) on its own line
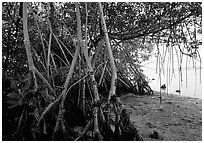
point(110, 54)
point(31, 65)
point(26, 39)
point(91, 71)
point(112, 92)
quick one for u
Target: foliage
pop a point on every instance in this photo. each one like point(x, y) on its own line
point(133, 29)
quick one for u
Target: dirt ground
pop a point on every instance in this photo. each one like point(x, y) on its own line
point(177, 119)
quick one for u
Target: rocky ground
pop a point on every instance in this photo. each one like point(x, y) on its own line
point(176, 119)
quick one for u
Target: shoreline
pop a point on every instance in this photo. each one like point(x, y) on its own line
point(178, 118)
point(157, 93)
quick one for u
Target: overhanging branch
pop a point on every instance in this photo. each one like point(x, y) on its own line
point(137, 34)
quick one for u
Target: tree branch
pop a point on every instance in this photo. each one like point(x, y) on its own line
point(137, 34)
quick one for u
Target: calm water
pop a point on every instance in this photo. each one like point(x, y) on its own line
point(190, 85)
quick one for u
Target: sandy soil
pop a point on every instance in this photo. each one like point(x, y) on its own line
point(177, 119)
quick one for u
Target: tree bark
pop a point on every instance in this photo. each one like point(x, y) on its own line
point(91, 71)
point(110, 54)
point(112, 92)
point(27, 44)
point(26, 38)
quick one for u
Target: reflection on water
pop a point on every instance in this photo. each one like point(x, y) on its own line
point(190, 85)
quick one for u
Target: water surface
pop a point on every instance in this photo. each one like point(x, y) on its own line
point(189, 86)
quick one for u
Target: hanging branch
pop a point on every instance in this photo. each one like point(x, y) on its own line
point(63, 94)
point(102, 74)
point(41, 37)
point(59, 121)
point(67, 61)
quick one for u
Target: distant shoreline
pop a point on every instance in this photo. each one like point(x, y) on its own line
point(164, 94)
